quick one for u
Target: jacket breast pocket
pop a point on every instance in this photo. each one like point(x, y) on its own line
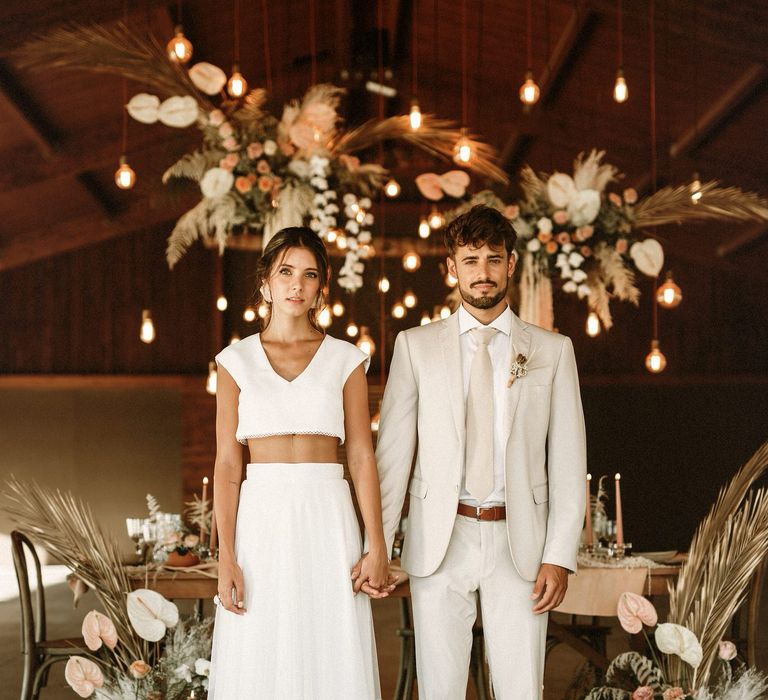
point(540, 493)
point(417, 487)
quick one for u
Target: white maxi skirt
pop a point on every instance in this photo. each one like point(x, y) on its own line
point(305, 635)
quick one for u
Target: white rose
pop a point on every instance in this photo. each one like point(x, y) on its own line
point(575, 260)
point(583, 290)
point(533, 245)
point(544, 224)
point(365, 203)
point(584, 207)
point(566, 273)
point(202, 667)
point(364, 237)
point(368, 219)
point(184, 672)
point(298, 167)
point(579, 276)
point(562, 260)
point(270, 147)
point(570, 287)
point(349, 198)
point(216, 183)
point(567, 247)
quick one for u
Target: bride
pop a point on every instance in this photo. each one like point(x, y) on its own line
point(291, 622)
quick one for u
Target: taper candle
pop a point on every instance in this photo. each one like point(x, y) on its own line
point(589, 512)
point(202, 512)
point(619, 518)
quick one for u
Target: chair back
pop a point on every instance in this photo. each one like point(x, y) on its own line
point(32, 614)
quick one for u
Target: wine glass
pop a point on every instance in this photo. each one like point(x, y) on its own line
point(136, 533)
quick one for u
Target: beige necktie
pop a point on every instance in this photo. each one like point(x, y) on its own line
point(479, 454)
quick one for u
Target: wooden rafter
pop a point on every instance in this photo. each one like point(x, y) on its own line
point(744, 239)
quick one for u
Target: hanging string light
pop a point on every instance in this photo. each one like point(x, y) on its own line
point(325, 318)
point(237, 85)
point(620, 89)
point(249, 314)
point(147, 330)
point(669, 295)
point(415, 114)
point(384, 284)
point(392, 188)
point(436, 218)
point(211, 381)
point(125, 177)
point(222, 303)
point(411, 261)
point(655, 361)
point(398, 310)
point(529, 90)
point(462, 151)
point(425, 319)
point(593, 325)
point(695, 189)
point(409, 299)
point(179, 48)
point(234, 338)
point(365, 342)
point(424, 228)
point(352, 330)
point(337, 308)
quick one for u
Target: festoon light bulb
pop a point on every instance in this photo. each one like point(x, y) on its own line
point(125, 177)
point(529, 90)
point(415, 115)
point(593, 325)
point(409, 299)
point(620, 89)
point(655, 361)
point(424, 228)
point(211, 381)
point(462, 151)
point(147, 331)
point(237, 85)
point(392, 188)
point(669, 295)
point(365, 342)
point(179, 48)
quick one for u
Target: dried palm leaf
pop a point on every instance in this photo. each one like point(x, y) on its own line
point(65, 527)
point(616, 274)
point(599, 299)
point(435, 136)
point(590, 174)
point(685, 595)
point(534, 187)
point(673, 205)
point(114, 49)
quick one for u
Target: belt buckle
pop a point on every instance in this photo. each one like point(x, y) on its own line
point(478, 510)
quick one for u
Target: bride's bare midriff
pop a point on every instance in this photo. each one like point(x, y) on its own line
point(294, 449)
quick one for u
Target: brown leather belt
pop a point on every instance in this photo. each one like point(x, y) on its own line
point(495, 513)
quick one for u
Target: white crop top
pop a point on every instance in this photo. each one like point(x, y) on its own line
point(312, 403)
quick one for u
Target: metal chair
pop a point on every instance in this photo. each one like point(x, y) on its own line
point(39, 653)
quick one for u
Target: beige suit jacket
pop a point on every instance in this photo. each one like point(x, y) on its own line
point(423, 413)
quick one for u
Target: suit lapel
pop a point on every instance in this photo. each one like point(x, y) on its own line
point(451, 350)
point(520, 344)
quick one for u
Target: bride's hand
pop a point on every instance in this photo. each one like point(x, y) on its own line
point(231, 579)
point(372, 575)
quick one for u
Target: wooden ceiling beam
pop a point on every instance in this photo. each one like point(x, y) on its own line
point(574, 36)
point(742, 240)
point(30, 246)
point(725, 108)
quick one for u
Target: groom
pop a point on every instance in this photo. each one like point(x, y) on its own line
point(490, 407)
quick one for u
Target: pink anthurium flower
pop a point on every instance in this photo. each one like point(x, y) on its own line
point(634, 611)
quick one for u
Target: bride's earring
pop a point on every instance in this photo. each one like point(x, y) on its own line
point(265, 293)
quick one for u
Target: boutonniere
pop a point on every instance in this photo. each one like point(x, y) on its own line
point(519, 368)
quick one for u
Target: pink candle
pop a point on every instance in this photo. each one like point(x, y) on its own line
point(212, 543)
point(589, 512)
point(205, 500)
point(619, 518)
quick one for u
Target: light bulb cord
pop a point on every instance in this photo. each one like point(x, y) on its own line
point(414, 49)
point(312, 42)
point(620, 33)
point(237, 33)
point(267, 51)
point(464, 63)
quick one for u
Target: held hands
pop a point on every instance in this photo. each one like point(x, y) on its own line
point(231, 588)
point(371, 575)
point(550, 587)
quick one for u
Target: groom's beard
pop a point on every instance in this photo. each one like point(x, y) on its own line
point(483, 302)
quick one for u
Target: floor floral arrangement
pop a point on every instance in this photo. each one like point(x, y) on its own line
point(140, 648)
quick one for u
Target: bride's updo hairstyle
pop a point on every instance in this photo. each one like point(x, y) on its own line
point(274, 254)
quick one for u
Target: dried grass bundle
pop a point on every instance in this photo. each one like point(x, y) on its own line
point(65, 526)
point(673, 205)
point(114, 49)
point(728, 546)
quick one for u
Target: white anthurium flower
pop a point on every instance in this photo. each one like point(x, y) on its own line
point(533, 245)
point(216, 183)
point(575, 259)
point(561, 189)
point(203, 667)
point(151, 614)
point(179, 112)
point(270, 147)
point(544, 224)
point(208, 78)
point(679, 640)
point(184, 672)
point(584, 207)
point(648, 256)
point(570, 287)
point(144, 108)
point(583, 291)
point(579, 276)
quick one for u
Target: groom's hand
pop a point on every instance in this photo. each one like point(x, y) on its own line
point(550, 587)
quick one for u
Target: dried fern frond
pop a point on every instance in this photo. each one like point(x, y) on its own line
point(534, 187)
point(684, 598)
point(673, 205)
point(251, 112)
point(437, 137)
point(599, 299)
point(589, 173)
point(152, 506)
point(191, 166)
point(66, 527)
point(114, 49)
point(616, 274)
point(199, 513)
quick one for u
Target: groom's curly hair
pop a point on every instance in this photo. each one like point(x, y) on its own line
point(480, 225)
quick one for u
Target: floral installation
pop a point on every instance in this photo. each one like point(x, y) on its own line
point(592, 241)
point(175, 543)
point(256, 172)
point(632, 676)
point(138, 647)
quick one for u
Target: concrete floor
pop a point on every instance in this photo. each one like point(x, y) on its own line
point(562, 668)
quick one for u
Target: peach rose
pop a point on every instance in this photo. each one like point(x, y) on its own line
point(193, 540)
point(545, 236)
point(216, 117)
point(254, 150)
point(586, 251)
point(230, 144)
point(263, 167)
point(226, 130)
point(630, 195)
point(512, 211)
point(551, 247)
point(265, 183)
point(614, 199)
point(644, 692)
point(563, 238)
point(673, 693)
point(560, 217)
point(586, 231)
point(242, 185)
point(229, 161)
point(139, 669)
point(727, 650)
point(621, 246)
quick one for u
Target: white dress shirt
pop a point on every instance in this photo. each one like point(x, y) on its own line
point(498, 349)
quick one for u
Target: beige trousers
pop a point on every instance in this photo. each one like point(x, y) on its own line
point(445, 606)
